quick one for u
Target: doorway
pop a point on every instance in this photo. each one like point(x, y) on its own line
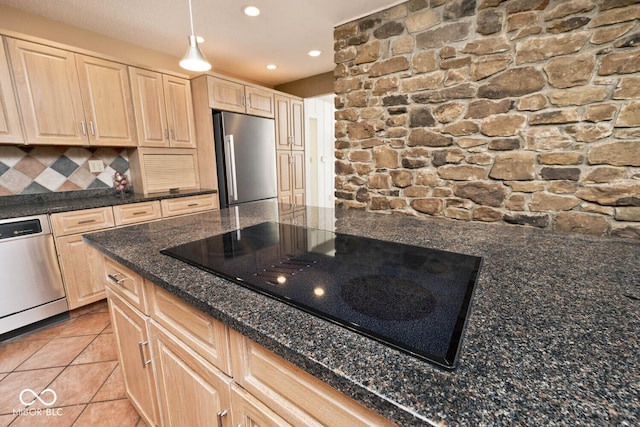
point(320, 137)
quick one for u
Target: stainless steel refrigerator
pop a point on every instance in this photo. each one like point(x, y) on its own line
point(245, 158)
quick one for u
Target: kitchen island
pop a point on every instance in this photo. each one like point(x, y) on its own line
point(552, 337)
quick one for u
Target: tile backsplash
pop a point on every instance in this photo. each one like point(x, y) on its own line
point(45, 169)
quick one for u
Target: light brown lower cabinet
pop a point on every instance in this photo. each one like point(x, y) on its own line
point(81, 265)
point(212, 375)
point(191, 391)
point(132, 339)
point(290, 173)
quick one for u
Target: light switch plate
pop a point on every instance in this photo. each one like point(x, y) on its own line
point(96, 166)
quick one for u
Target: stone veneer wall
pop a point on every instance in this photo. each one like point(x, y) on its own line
point(522, 111)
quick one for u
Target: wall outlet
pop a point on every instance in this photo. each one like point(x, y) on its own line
point(96, 166)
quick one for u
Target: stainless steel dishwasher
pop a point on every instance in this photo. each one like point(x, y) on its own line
point(31, 287)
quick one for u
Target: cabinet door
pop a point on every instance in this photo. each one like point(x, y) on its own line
point(149, 107)
point(132, 339)
point(106, 95)
point(247, 411)
point(297, 124)
point(49, 94)
point(10, 131)
point(81, 267)
point(191, 391)
point(297, 177)
point(259, 102)
point(294, 394)
point(283, 142)
point(179, 106)
point(225, 95)
point(285, 191)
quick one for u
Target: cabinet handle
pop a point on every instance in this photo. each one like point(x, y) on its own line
point(84, 127)
point(190, 205)
point(86, 221)
point(173, 134)
point(93, 132)
point(220, 415)
point(114, 278)
point(144, 362)
point(139, 213)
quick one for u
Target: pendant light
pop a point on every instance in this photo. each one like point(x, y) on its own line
point(194, 59)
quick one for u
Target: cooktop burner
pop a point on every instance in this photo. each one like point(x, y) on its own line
point(411, 298)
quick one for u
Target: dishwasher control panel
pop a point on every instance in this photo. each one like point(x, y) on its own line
point(20, 228)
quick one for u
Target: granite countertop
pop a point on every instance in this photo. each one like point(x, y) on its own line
point(552, 337)
point(48, 203)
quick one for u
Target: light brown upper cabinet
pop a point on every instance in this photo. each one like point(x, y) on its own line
point(290, 150)
point(289, 123)
point(231, 96)
point(71, 99)
point(163, 109)
point(10, 131)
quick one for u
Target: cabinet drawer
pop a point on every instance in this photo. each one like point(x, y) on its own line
point(186, 205)
point(126, 283)
point(207, 336)
point(137, 212)
point(292, 393)
point(82, 221)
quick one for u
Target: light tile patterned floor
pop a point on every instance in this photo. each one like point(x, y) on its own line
point(75, 359)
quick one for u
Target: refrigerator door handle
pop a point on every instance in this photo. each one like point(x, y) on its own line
point(231, 167)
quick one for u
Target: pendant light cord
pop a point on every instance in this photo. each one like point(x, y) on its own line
point(191, 18)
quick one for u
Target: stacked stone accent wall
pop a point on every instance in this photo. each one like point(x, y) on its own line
point(522, 111)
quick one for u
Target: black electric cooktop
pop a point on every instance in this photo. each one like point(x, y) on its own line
point(411, 298)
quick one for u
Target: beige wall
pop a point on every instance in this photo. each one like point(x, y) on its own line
point(321, 84)
point(13, 20)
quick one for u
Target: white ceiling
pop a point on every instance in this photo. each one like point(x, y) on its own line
point(234, 43)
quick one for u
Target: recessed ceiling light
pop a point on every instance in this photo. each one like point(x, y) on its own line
point(314, 53)
point(272, 67)
point(251, 11)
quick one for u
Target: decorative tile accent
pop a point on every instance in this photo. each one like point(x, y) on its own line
point(78, 155)
point(11, 155)
point(82, 177)
point(64, 166)
point(44, 169)
point(30, 167)
point(35, 188)
point(45, 154)
point(51, 179)
point(14, 181)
